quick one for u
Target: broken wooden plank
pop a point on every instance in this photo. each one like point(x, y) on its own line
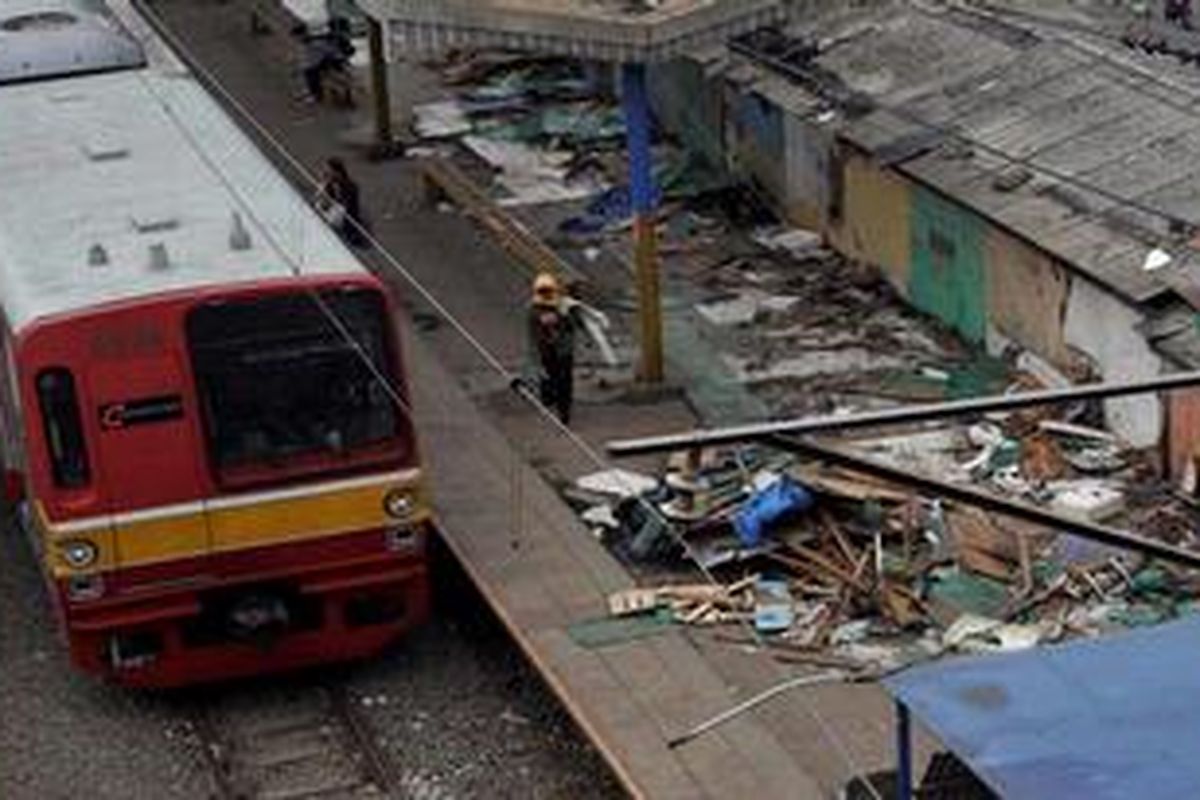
point(628, 602)
point(846, 485)
point(810, 558)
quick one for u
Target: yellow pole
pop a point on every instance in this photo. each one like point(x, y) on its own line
point(649, 298)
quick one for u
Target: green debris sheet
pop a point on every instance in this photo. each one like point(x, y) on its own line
point(605, 631)
point(584, 123)
point(967, 593)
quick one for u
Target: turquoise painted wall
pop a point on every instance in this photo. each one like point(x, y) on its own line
point(948, 278)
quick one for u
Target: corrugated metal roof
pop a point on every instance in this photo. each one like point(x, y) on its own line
point(1091, 124)
point(113, 165)
point(1103, 719)
point(51, 38)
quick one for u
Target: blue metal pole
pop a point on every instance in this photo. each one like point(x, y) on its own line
point(637, 122)
point(904, 765)
point(642, 197)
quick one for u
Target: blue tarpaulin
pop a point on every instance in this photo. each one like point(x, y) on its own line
point(1117, 717)
point(776, 501)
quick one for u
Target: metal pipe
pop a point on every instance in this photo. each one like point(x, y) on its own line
point(896, 416)
point(832, 676)
point(1000, 505)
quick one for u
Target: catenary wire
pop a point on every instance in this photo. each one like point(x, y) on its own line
point(827, 730)
point(492, 360)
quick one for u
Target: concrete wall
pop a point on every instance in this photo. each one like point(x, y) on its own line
point(755, 142)
point(1105, 330)
point(809, 163)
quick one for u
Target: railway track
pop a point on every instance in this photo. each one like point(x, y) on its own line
point(300, 744)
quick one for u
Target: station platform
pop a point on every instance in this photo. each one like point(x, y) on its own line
point(540, 569)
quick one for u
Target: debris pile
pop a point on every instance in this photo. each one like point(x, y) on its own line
point(822, 566)
point(540, 124)
point(548, 131)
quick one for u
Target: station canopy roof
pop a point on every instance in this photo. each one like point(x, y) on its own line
point(52, 38)
point(638, 31)
point(1096, 719)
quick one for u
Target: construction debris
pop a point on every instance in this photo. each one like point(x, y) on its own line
point(866, 577)
point(817, 565)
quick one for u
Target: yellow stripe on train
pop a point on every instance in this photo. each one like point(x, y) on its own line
point(229, 524)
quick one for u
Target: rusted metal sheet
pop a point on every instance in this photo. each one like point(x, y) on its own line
point(1183, 437)
point(1027, 296)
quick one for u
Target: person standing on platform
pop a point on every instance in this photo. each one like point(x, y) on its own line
point(339, 203)
point(552, 324)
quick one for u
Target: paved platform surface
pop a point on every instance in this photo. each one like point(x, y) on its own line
point(537, 565)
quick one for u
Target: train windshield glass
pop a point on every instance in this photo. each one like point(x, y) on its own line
point(284, 386)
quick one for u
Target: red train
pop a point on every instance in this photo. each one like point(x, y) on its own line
point(204, 402)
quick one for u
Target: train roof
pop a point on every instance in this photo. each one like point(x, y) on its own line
point(52, 38)
point(123, 185)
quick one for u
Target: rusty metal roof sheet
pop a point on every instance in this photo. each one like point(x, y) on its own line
point(1107, 136)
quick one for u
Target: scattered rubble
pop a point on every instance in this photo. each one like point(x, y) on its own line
point(859, 575)
point(820, 566)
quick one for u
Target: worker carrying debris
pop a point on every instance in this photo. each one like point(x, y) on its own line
point(553, 318)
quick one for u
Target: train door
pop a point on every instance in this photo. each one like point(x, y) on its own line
point(146, 440)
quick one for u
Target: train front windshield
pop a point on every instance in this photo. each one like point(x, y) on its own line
point(292, 382)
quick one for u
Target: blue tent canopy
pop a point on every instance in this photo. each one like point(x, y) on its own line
point(1117, 717)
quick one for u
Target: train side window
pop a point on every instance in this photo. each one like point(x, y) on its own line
point(63, 427)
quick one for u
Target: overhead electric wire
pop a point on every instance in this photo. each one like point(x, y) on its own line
point(492, 360)
point(827, 730)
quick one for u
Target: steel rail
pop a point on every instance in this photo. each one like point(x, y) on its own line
point(898, 416)
point(375, 763)
point(1126, 540)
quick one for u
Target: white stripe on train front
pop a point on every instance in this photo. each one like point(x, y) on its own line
point(226, 503)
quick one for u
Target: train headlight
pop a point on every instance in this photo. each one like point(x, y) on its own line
point(399, 504)
point(79, 553)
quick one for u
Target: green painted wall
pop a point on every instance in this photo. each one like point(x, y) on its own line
point(948, 277)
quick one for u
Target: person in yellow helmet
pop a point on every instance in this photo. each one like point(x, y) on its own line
point(552, 337)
